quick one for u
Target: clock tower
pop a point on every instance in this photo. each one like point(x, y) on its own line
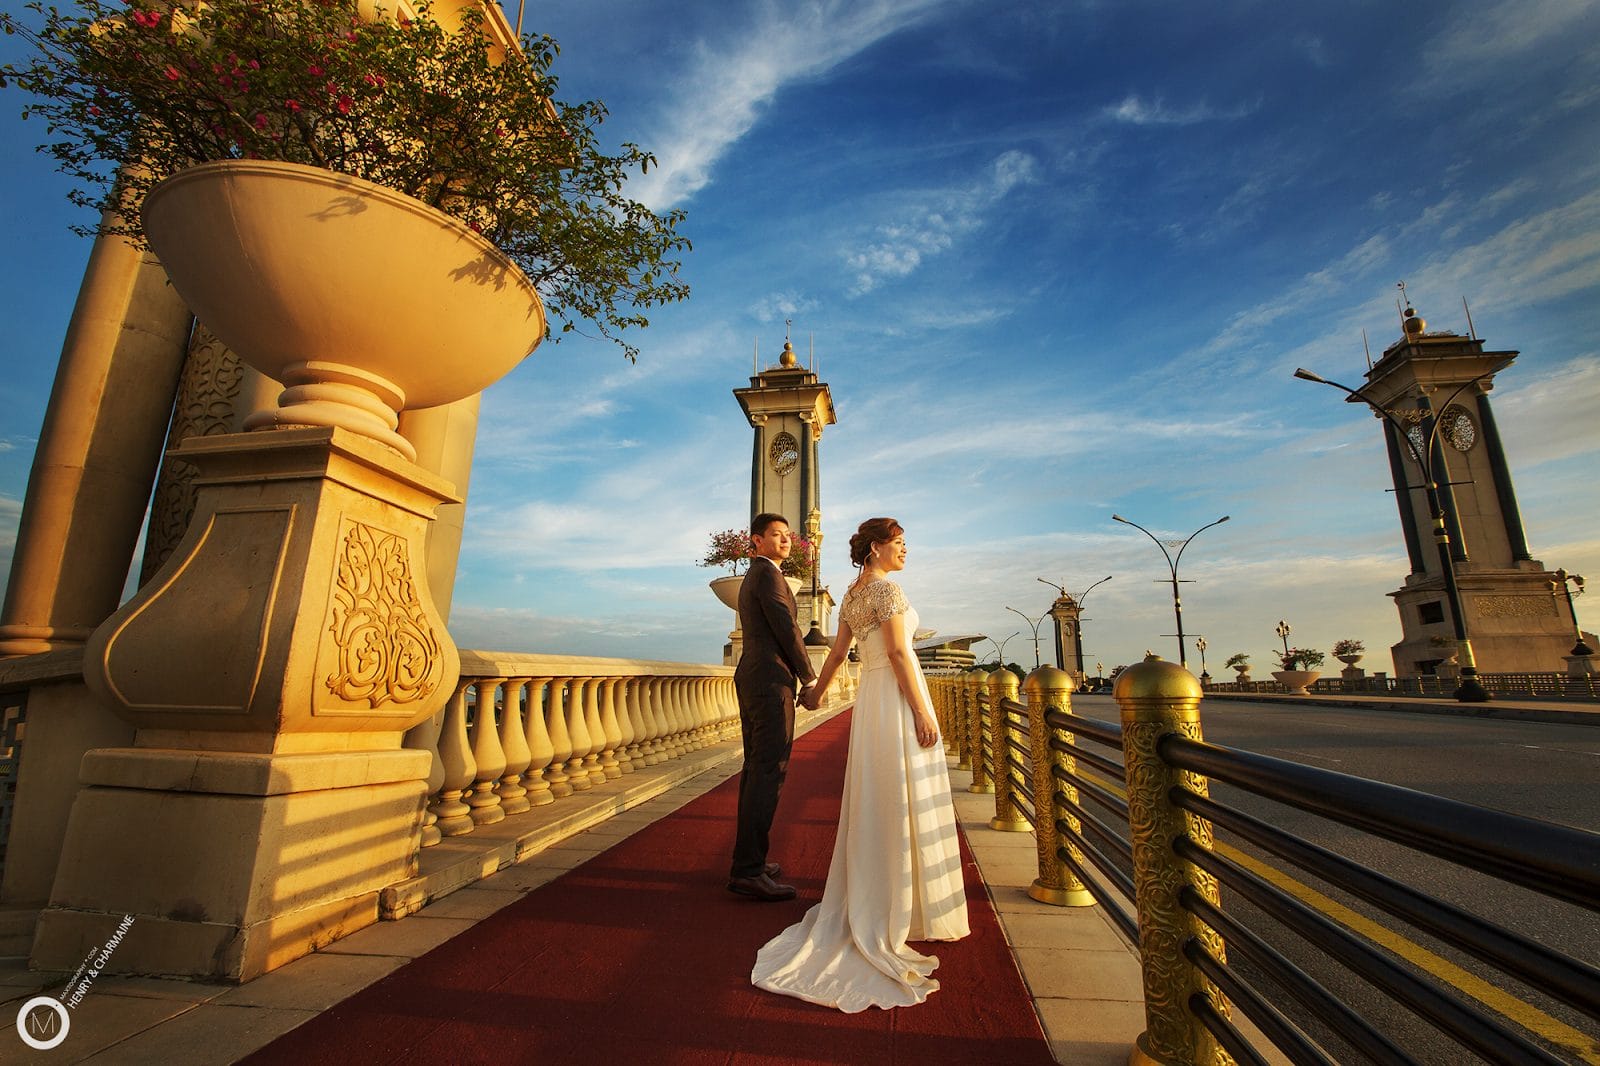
point(788, 408)
point(1516, 624)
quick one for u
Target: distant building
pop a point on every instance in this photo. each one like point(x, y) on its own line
point(946, 653)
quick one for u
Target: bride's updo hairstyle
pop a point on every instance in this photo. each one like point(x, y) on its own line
point(873, 531)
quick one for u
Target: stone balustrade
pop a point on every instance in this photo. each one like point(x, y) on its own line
point(523, 730)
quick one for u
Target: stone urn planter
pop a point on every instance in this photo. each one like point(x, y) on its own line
point(1349, 660)
point(361, 300)
point(1296, 682)
point(727, 589)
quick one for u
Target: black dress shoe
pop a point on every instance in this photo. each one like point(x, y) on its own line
point(773, 869)
point(762, 888)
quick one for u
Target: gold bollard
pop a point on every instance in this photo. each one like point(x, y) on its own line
point(963, 732)
point(1158, 698)
point(978, 725)
point(1003, 686)
point(1049, 687)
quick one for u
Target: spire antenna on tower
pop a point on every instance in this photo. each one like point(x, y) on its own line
point(1366, 348)
point(1472, 331)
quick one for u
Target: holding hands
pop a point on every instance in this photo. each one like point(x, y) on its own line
point(811, 697)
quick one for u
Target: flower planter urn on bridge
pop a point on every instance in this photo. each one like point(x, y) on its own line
point(1296, 682)
point(273, 665)
point(361, 300)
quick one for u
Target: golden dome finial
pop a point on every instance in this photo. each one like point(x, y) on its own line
point(1411, 323)
point(788, 357)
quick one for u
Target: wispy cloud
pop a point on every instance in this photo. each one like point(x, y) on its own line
point(782, 305)
point(934, 221)
point(718, 101)
point(1500, 32)
point(1135, 110)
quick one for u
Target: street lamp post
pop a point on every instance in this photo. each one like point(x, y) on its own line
point(1172, 564)
point(1035, 626)
point(1200, 646)
point(1000, 648)
point(1284, 629)
point(1470, 690)
point(1561, 583)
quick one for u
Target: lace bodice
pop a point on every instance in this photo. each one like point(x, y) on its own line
point(866, 606)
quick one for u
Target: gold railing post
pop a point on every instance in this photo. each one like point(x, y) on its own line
point(1158, 698)
point(1003, 686)
point(982, 770)
point(966, 692)
point(1049, 687)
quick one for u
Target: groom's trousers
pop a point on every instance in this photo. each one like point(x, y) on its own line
point(766, 717)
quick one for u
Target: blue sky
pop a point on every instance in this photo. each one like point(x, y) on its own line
point(1057, 260)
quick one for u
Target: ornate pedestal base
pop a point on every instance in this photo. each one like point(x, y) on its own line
point(1581, 665)
point(271, 668)
point(230, 864)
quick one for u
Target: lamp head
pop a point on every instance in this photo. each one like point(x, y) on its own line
point(1305, 375)
point(1118, 518)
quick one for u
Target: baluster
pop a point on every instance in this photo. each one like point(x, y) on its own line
point(638, 721)
point(625, 726)
point(540, 751)
point(597, 733)
point(610, 764)
point(425, 737)
point(578, 730)
point(650, 705)
point(453, 816)
point(514, 742)
point(692, 710)
point(660, 748)
point(487, 753)
point(680, 717)
point(560, 741)
point(730, 710)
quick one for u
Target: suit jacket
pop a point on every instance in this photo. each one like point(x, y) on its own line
point(774, 651)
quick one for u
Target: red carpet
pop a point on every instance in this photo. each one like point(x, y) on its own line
point(641, 956)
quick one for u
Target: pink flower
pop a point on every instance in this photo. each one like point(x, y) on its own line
point(344, 105)
point(261, 121)
point(172, 73)
point(93, 110)
point(373, 79)
point(147, 19)
point(314, 70)
point(292, 105)
point(474, 227)
point(255, 64)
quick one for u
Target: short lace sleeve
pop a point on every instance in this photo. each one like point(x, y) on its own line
point(865, 608)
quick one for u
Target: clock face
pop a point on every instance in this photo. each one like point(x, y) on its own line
point(784, 452)
point(1457, 428)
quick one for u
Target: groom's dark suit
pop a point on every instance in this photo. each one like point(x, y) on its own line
point(774, 663)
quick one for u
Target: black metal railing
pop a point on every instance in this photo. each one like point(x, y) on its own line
point(1098, 846)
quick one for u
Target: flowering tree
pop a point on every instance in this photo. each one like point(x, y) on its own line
point(1300, 659)
point(731, 548)
point(437, 114)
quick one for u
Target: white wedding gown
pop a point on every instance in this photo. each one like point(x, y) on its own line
point(896, 869)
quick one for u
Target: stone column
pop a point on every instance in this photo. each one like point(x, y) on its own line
point(445, 439)
point(97, 452)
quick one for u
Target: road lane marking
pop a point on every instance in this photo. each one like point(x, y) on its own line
point(1503, 1003)
point(1566, 751)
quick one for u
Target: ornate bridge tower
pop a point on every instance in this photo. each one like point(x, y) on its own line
point(1516, 624)
point(788, 407)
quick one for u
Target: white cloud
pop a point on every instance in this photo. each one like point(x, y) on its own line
point(778, 305)
point(1502, 32)
point(933, 221)
point(1135, 110)
point(721, 98)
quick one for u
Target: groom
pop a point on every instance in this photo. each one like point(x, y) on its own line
point(773, 662)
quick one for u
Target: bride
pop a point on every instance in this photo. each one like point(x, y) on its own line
point(896, 869)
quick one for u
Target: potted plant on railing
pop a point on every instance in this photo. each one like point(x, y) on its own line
point(731, 548)
point(1240, 663)
point(1298, 669)
point(1348, 651)
point(375, 210)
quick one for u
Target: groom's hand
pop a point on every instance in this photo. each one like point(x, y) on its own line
point(809, 697)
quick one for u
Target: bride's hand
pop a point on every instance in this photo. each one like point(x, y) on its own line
point(927, 729)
